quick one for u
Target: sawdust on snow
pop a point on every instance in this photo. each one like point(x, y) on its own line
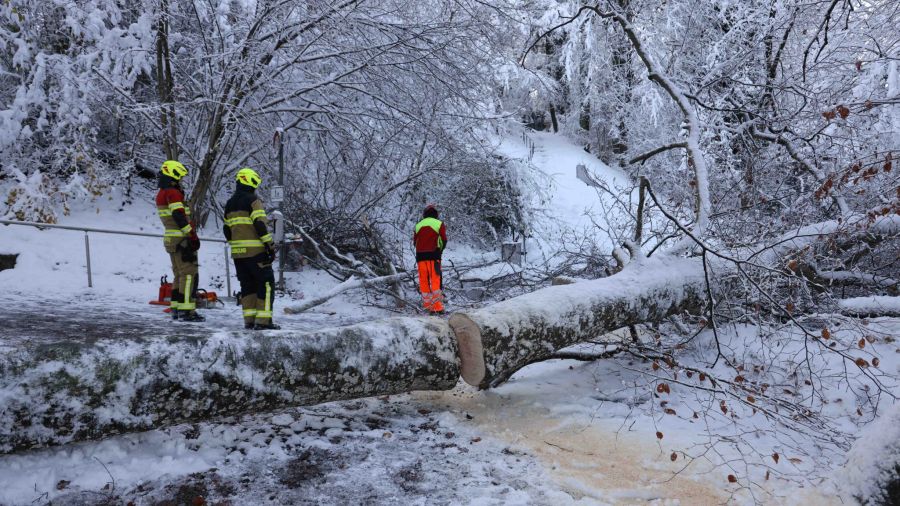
point(586, 460)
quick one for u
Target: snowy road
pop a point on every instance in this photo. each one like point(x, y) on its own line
point(88, 319)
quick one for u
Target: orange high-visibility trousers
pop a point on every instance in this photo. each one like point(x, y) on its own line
point(430, 285)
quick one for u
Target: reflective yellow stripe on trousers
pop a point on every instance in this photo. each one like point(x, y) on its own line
point(267, 308)
point(187, 304)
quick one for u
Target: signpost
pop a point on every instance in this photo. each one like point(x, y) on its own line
point(277, 195)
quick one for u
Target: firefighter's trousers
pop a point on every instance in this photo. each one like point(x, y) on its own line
point(430, 284)
point(184, 285)
point(257, 288)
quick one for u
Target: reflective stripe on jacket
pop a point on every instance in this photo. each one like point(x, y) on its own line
point(174, 215)
point(246, 226)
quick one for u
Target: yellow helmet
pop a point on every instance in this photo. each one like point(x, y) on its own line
point(249, 177)
point(174, 169)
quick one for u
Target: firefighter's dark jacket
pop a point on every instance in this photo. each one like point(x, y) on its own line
point(245, 223)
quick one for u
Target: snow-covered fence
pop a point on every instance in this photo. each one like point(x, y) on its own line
point(87, 243)
point(529, 145)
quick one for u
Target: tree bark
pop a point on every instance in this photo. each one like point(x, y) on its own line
point(498, 340)
point(75, 389)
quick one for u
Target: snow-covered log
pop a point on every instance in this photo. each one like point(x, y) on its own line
point(870, 306)
point(498, 340)
point(77, 388)
point(872, 472)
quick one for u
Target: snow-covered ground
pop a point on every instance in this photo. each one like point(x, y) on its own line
point(560, 432)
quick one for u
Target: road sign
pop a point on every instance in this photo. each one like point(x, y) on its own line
point(277, 194)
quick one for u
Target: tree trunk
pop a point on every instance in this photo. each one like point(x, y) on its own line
point(63, 388)
point(498, 340)
point(164, 84)
point(75, 390)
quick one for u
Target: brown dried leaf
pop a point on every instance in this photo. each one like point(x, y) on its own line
point(732, 478)
point(659, 435)
point(775, 457)
point(861, 343)
point(723, 407)
point(875, 361)
point(795, 460)
point(751, 399)
point(670, 411)
point(673, 457)
point(655, 366)
point(862, 363)
point(738, 379)
point(826, 334)
point(702, 377)
point(843, 111)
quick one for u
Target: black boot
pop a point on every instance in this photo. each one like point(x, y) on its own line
point(192, 316)
point(266, 326)
point(249, 326)
point(175, 314)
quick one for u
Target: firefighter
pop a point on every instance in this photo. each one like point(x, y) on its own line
point(430, 239)
point(180, 240)
point(252, 249)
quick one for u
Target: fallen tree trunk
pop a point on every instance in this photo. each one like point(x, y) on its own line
point(86, 387)
point(498, 340)
point(55, 393)
point(870, 307)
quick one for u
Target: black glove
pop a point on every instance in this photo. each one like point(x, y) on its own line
point(270, 252)
point(194, 241)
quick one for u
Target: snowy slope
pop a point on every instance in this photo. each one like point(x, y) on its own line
point(569, 202)
point(565, 210)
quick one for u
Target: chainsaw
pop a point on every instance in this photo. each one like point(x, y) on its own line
point(203, 298)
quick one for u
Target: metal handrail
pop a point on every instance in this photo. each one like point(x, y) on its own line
point(97, 230)
point(87, 243)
